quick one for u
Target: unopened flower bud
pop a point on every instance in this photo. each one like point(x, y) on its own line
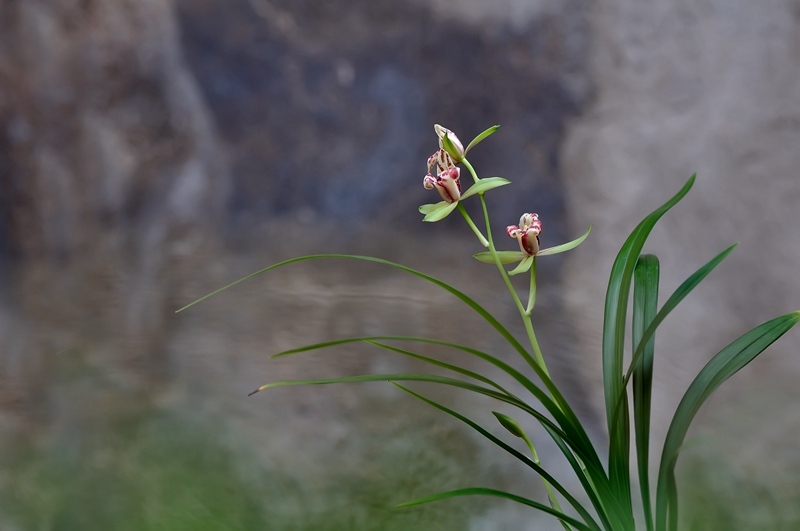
point(510, 424)
point(449, 142)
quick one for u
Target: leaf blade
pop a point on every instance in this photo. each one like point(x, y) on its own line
point(725, 364)
point(557, 406)
point(677, 296)
point(645, 307)
point(526, 460)
point(475, 491)
point(615, 316)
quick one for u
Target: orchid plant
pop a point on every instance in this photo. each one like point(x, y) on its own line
point(607, 499)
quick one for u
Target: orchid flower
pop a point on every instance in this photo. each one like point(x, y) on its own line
point(527, 233)
point(443, 174)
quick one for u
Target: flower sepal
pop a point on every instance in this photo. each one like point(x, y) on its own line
point(437, 211)
point(564, 247)
point(484, 185)
point(523, 266)
point(506, 257)
point(478, 139)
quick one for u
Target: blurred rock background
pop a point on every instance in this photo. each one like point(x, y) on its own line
point(152, 151)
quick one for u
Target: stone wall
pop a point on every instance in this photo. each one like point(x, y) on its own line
point(150, 151)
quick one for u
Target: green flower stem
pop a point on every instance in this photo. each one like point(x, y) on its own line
point(550, 494)
point(469, 167)
point(524, 313)
point(491, 246)
point(472, 226)
point(537, 351)
point(526, 318)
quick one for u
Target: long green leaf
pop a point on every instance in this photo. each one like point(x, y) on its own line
point(561, 410)
point(613, 347)
point(568, 419)
point(525, 459)
point(449, 366)
point(605, 503)
point(721, 367)
point(416, 377)
point(677, 296)
point(586, 452)
point(475, 491)
point(518, 376)
point(400, 377)
point(645, 306)
point(458, 294)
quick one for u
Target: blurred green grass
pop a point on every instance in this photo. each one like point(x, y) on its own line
point(167, 472)
point(722, 497)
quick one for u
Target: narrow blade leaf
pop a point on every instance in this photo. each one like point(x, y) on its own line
point(449, 366)
point(399, 377)
point(479, 491)
point(556, 406)
point(645, 306)
point(613, 347)
point(721, 367)
point(683, 290)
point(525, 459)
